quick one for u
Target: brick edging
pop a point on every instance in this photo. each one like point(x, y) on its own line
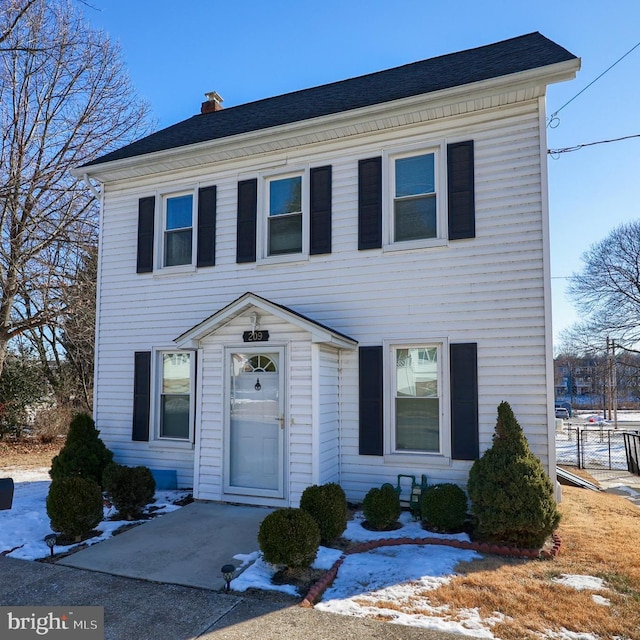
point(318, 588)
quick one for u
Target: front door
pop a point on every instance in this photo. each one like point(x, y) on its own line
point(255, 423)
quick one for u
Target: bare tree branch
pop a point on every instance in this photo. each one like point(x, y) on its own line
point(65, 99)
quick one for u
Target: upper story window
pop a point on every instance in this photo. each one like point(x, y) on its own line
point(178, 230)
point(285, 216)
point(414, 198)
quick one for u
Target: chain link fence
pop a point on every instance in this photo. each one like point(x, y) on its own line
point(591, 448)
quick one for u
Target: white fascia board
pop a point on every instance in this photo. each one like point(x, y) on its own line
point(192, 155)
point(191, 338)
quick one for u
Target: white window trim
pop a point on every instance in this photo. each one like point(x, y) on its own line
point(391, 455)
point(264, 178)
point(156, 391)
point(389, 156)
point(160, 226)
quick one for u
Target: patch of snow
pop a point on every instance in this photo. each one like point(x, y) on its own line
point(410, 529)
point(26, 524)
point(605, 602)
point(565, 634)
point(581, 582)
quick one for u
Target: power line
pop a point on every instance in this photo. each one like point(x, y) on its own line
point(554, 121)
point(555, 152)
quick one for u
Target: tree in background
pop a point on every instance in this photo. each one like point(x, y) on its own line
point(607, 290)
point(65, 99)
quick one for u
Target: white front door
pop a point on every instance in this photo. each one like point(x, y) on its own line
point(255, 422)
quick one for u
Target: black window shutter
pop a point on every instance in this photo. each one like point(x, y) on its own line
point(370, 203)
point(464, 401)
point(141, 395)
point(461, 190)
point(247, 218)
point(320, 210)
point(146, 215)
point(370, 394)
point(206, 227)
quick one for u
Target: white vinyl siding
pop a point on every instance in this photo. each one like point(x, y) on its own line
point(489, 290)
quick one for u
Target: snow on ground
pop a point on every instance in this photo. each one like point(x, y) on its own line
point(26, 524)
point(384, 583)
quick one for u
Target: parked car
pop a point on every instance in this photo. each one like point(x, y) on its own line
point(563, 413)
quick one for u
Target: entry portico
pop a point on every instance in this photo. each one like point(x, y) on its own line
point(268, 386)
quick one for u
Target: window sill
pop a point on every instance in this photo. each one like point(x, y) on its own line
point(420, 460)
point(414, 245)
point(171, 445)
point(287, 259)
point(181, 270)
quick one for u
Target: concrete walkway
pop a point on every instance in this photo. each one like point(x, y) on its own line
point(186, 547)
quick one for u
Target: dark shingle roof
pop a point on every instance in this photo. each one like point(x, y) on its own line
point(526, 52)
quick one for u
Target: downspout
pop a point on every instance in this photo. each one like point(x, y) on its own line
point(96, 194)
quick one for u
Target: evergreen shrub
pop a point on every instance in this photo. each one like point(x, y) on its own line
point(512, 497)
point(84, 454)
point(381, 507)
point(444, 507)
point(74, 506)
point(327, 505)
point(129, 488)
point(289, 537)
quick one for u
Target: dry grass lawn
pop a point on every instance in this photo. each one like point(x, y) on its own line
point(27, 453)
point(600, 537)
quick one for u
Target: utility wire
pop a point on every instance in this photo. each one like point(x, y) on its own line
point(554, 121)
point(555, 152)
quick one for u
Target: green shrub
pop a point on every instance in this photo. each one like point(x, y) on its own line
point(130, 488)
point(327, 505)
point(444, 507)
point(74, 506)
point(512, 497)
point(381, 507)
point(290, 537)
point(84, 454)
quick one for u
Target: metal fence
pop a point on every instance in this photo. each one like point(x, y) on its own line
point(632, 447)
point(589, 448)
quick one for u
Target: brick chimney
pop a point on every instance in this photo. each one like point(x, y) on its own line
point(213, 103)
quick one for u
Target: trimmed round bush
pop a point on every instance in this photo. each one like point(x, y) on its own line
point(327, 505)
point(74, 506)
point(381, 507)
point(444, 507)
point(512, 497)
point(84, 454)
point(290, 537)
point(130, 488)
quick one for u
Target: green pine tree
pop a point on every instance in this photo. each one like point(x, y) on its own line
point(512, 497)
point(84, 454)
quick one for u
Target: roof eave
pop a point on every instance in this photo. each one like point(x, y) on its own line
point(146, 163)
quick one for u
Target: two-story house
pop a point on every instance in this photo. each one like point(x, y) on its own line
point(336, 284)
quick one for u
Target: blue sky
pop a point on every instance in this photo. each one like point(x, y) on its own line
point(248, 49)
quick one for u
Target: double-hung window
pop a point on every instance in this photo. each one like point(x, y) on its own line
point(415, 210)
point(175, 397)
point(417, 398)
point(284, 216)
point(178, 230)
